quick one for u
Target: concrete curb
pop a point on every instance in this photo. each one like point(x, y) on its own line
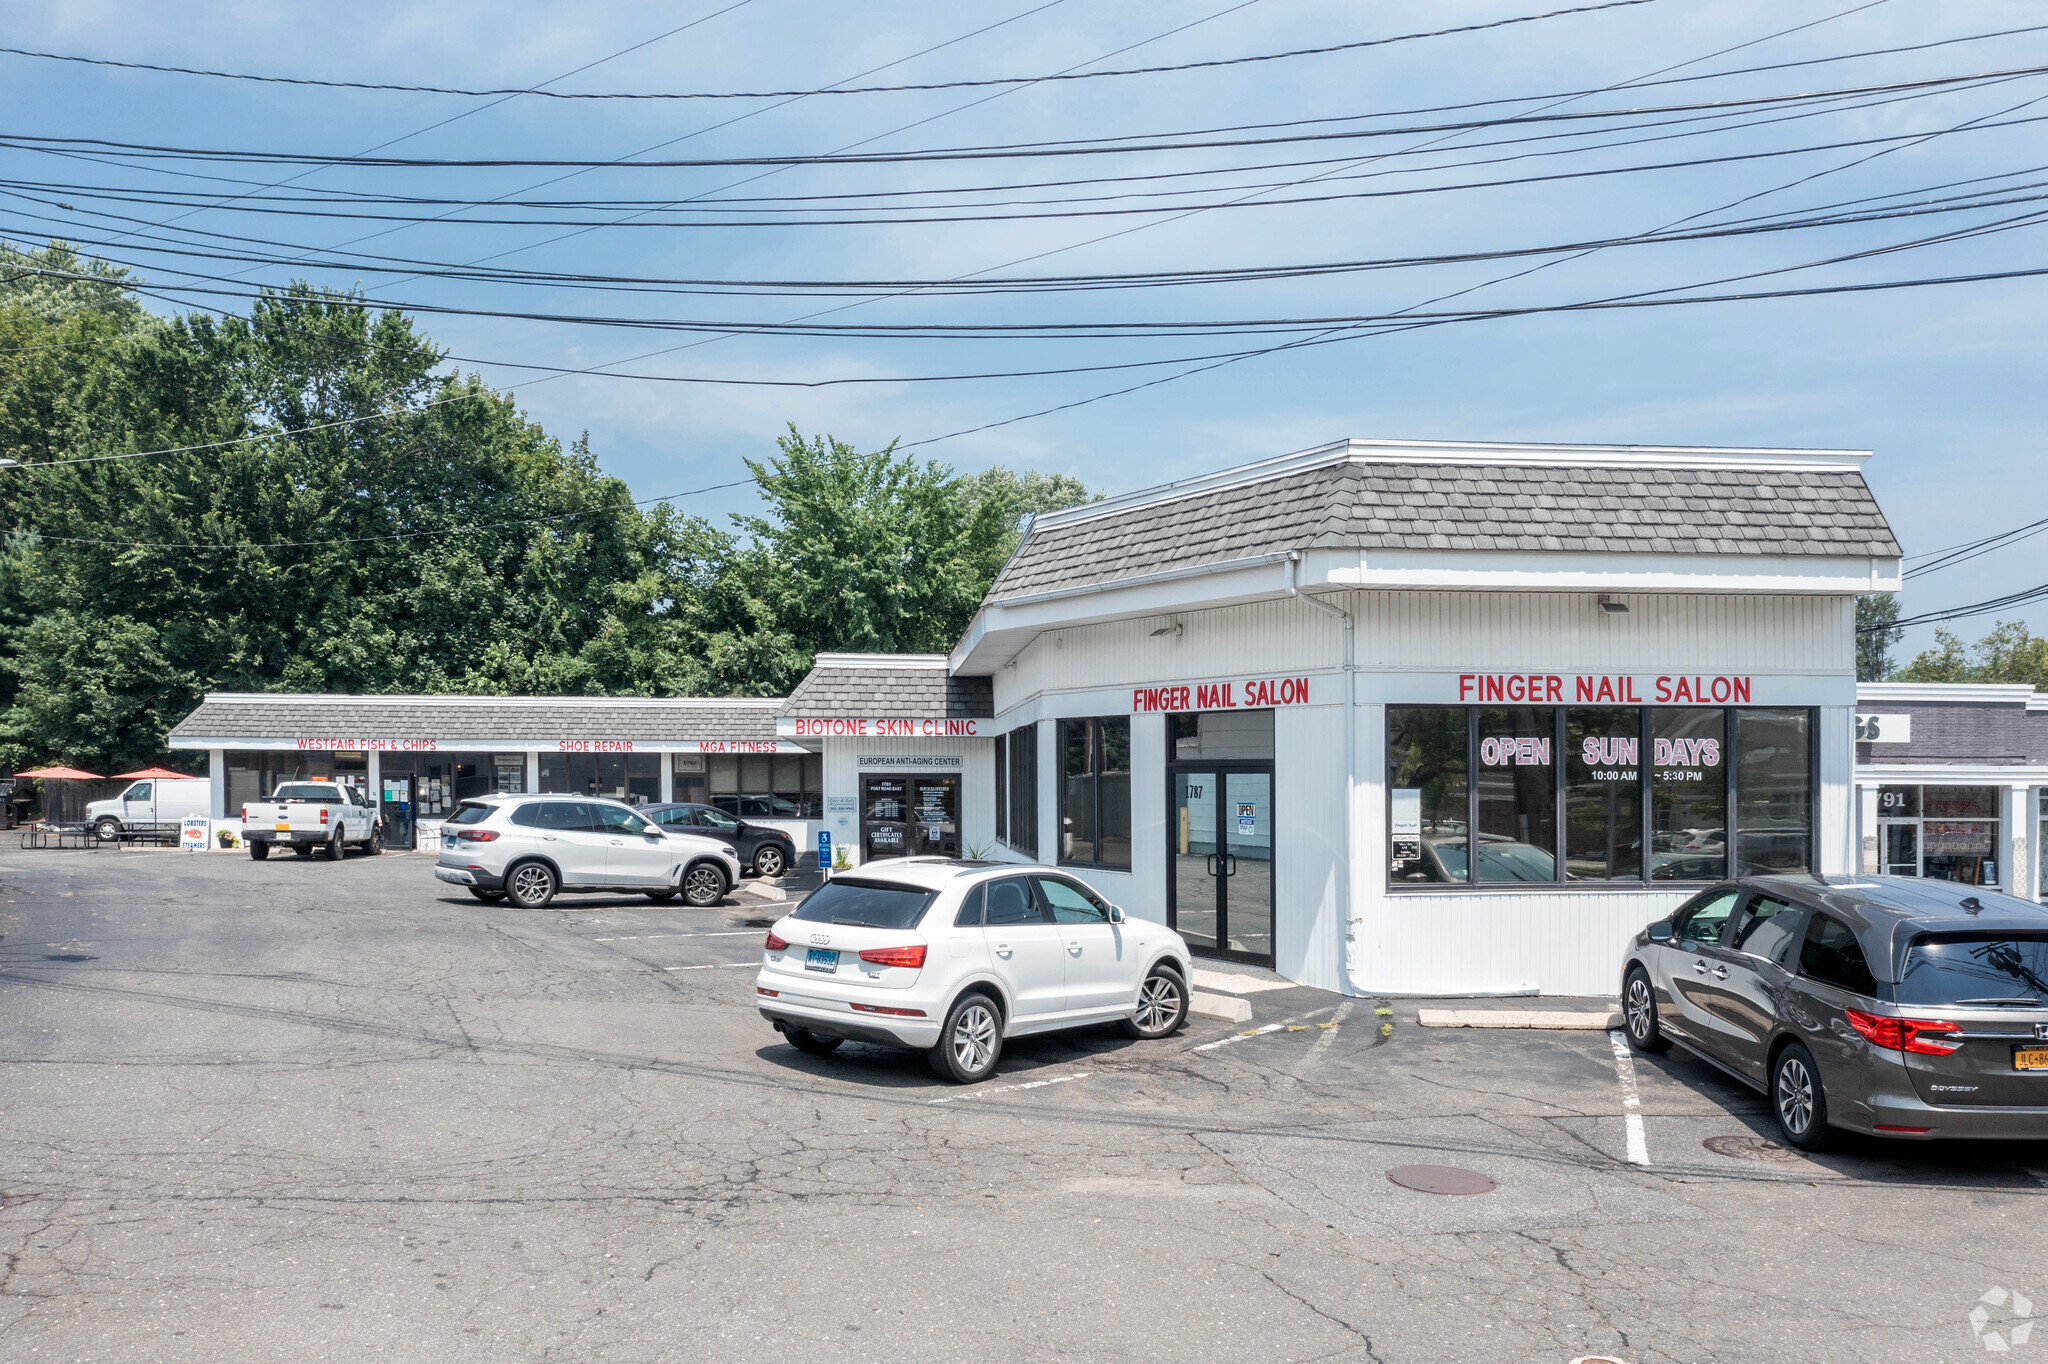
point(1518, 1018)
point(761, 890)
point(1223, 1007)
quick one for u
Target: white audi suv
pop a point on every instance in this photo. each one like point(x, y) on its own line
point(528, 848)
point(951, 957)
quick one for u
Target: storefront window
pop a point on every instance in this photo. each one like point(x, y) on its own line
point(1095, 792)
point(1517, 779)
point(1622, 776)
point(1688, 794)
point(1023, 789)
point(1428, 792)
point(1959, 834)
point(1002, 756)
point(754, 785)
point(1773, 791)
point(1603, 839)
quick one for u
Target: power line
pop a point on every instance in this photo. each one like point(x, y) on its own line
point(835, 90)
point(1959, 554)
point(1123, 144)
point(1982, 608)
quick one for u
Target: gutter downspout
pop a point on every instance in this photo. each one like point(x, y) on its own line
point(1345, 984)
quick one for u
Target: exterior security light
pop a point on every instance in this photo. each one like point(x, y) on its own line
point(1613, 606)
point(10, 464)
point(1173, 629)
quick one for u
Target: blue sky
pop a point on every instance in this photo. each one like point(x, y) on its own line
point(1943, 384)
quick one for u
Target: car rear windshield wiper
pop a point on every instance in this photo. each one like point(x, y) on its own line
point(858, 923)
point(2003, 999)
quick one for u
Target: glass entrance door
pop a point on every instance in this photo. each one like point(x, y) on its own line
point(1220, 860)
point(1900, 841)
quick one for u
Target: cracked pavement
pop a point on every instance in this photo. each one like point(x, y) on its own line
point(291, 1110)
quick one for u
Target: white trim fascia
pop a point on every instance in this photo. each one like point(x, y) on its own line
point(1946, 774)
point(1599, 571)
point(281, 698)
point(1952, 693)
point(904, 661)
point(1360, 451)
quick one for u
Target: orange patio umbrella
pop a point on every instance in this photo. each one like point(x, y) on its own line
point(62, 774)
point(154, 774)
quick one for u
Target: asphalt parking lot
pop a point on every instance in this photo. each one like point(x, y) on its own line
point(292, 1110)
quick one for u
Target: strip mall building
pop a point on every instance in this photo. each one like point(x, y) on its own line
point(1391, 717)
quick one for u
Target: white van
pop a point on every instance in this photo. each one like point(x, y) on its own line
point(150, 807)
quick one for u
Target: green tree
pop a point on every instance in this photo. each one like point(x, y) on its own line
point(874, 552)
point(1876, 635)
point(2010, 653)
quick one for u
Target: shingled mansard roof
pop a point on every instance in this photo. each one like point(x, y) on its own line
point(489, 719)
point(1403, 495)
point(915, 685)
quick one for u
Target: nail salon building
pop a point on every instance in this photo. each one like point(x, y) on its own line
point(1402, 717)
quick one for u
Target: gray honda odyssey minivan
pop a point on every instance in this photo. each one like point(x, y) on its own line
point(1886, 1005)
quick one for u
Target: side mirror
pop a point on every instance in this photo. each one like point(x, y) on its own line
point(1116, 915)
point(1660, 931)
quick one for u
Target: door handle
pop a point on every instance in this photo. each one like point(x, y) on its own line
point(1232, 859)
point(1073, 947)
point(1700, 966)
point(1720, 973)
point(1002, 949)
point(1209, 862)
point(547, 838)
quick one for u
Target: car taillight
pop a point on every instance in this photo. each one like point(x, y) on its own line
point(772, 994)
point(323, 814)
point(477, 835)
point(773, 943)
point(912, 957)
point(245, 814)
point(885, 1009)
point(1906, 1034)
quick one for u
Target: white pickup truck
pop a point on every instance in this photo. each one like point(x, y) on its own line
point(304, 815)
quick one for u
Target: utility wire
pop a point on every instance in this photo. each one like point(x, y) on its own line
point(2023, 598)
point(837, 89)
point(1116, 145)
point(1937, 560)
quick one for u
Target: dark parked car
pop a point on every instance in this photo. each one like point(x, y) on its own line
point(763, 850)
point(1885, 1005)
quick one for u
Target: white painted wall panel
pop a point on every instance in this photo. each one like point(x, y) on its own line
point(1309, 843)
point(1259, 638)
point(1568, 630)
point(1145, 893)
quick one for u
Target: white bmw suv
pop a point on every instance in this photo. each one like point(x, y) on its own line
point(952, 957)
point(528, 848)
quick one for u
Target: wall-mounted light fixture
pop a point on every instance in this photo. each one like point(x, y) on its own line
point(1171, 628)
point(1613, 606)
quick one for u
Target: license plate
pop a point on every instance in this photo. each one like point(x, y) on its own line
point(448, 842)
point(824, 959)
point(2030, 1058)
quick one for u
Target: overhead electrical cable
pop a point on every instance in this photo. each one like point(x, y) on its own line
point(840, 89)
point(1982, 608)
point(703, 204)
point(1206, 368)
point(1119, 145)
point(1937, 560)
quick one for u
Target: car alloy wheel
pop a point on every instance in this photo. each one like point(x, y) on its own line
point(1639, 1013)
point(1795, 1096)
point(1798, 1100)
point(531, 885)
point(768, 860)
point(1162, 1005)
point(703, 886)
point(106, 831)
point(973, 1038)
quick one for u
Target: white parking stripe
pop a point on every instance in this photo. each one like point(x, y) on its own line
point(1322, 1044)
point(1631, 1101)
point(712, 967)
point(1011, 1089)
point(1255, 1032)
point(650, 937)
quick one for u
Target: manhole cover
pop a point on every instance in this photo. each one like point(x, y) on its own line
point(67, 956)
point(1441, 1179)
point(1750, 1148)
